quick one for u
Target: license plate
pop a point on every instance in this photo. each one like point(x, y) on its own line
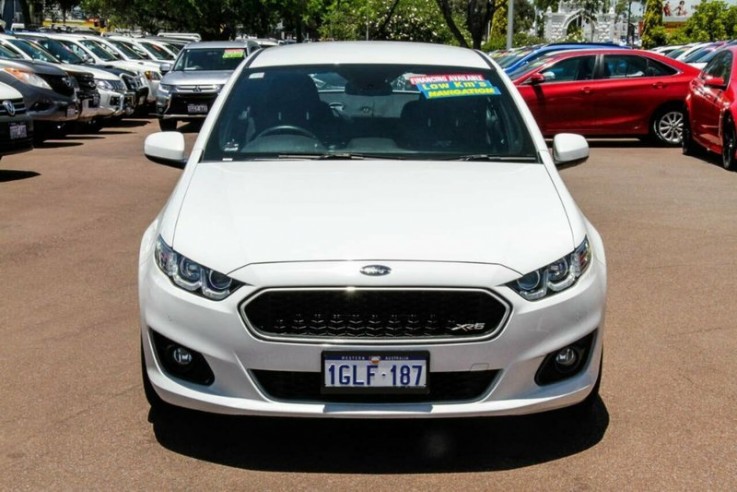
point(95, 100)
point(71, 112)
point(371, 372)
point(197, 108)
point(18, 130)
point(85, 104)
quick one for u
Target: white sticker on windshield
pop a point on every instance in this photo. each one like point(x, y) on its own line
point(256, 75)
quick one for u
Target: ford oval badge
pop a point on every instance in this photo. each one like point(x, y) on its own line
point(376, 270)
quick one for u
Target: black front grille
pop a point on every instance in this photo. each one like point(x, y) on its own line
point(18, 106)
point(61, 84)
point(131, 82)
point(444, 387)
point(375, 313)
point(85, 81)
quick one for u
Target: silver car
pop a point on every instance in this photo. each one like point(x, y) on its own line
point(190, 86)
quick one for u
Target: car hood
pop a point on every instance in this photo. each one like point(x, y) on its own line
point(197, 77)
point(96, 72)
point(238, 213)
point(34, 66)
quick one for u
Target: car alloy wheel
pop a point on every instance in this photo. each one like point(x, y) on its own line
point(728, 146)
point(668, 126)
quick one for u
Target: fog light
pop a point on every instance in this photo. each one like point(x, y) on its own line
point(566, 358)
point(181, 356)
point(182, 362)
point(565, 362)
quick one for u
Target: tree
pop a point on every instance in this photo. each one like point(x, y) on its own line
point(653, 32)
point(476, 15)
point(712, 21)
point(406, 20)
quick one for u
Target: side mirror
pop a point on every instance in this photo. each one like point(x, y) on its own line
point(165, 68)
point(715, 82)
point(569, 150)
point(536, 78)
point(166, 148)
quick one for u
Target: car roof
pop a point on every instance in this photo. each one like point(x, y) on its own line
point(218, 44)
point(369, 52)
point(677, 64)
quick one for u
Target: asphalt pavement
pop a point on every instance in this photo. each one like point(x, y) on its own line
point(73, 415)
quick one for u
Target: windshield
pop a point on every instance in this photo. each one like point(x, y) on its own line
point(371, 111)
point(33, 50)
point(528, 67)
point(156, 51)
point(77, 49)
point(9, 54)
point(98, 50)
point(59, 51)
point(127, 50)
point(210, 59)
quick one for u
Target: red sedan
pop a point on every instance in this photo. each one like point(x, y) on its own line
point(711, 106)
point(607, 93)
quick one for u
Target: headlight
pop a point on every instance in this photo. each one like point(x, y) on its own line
point(28, 78)
point(192, 276)
point(165, 89)
point(103, 84)
point(556, 277)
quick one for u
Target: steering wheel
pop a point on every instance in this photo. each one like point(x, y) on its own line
point(286, 129)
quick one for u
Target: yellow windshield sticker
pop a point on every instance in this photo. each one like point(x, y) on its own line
point(234, 53)
point(454, 85)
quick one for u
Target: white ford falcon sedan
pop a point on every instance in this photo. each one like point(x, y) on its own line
point(371, 229)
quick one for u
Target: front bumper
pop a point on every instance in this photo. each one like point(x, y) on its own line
point(186, 106)
point(235, 354)
point(112, 103)
point(12, 140)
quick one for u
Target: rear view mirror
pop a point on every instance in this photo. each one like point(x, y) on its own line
point(165, 67)
point(537, 78)
point(569, 150)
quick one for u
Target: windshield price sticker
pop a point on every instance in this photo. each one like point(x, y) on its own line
point(459, 85)
point(375, 373)
point(233, 53)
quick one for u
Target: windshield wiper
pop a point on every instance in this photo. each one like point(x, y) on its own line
point(338, 156)
point(494, 158)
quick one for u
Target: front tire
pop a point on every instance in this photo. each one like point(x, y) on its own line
point(167, 125)
point(688, 144)
point(667, 127)
point(729, 140)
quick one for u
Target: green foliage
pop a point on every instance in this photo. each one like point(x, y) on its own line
point(652, 24)
point(410, 20)
point(713, 20)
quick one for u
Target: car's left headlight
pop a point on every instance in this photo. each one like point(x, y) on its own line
point(28, 77)
point(556, 277)
point(165, 89)
point(103, 84)
point(192, 276)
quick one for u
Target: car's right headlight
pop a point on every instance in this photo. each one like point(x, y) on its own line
point(556, 277)
point(28, 77)
point(165, 89)
point(103, 84)
point(192, 276)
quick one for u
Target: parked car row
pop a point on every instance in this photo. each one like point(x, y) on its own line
point(53, 83)
point(615, 92)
